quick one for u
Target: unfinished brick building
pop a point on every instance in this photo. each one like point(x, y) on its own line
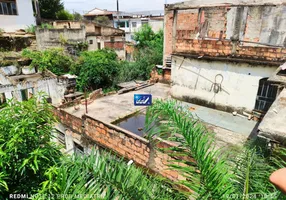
point(222, 55)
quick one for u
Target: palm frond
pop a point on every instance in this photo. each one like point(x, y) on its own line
point(103, 176)
point(209, 176)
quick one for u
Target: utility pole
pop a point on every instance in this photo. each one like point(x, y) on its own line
point(118, 11)
point(37, 11)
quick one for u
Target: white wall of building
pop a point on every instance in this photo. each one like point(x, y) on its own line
point(25, 17)
point(194, 80)
point(132, 29)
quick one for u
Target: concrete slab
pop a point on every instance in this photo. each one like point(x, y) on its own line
point(222, 119)
point(113, 107)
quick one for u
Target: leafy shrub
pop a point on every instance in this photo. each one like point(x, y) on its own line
point(54, 60)
point(26, 151)
point(32, 28)
point(96, 69)
point(64, 15)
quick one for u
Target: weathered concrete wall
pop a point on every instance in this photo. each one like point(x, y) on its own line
point(48, 38)
point(50, 86)
point(25, 17)
point(120, 142)
point(97, 41)
point(193, 80)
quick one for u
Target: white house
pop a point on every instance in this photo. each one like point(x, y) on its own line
point(16, 14)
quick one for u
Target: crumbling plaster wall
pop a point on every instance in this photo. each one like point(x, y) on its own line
point(49, 86)
point(48, 38)
point(194, 81)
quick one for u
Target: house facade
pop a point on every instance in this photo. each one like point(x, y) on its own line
point(16, 14)
point(221, 55)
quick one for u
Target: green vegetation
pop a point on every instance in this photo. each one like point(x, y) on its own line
point(64, 15)
point(102, 20)
point(54, 60)
point(96, 69)
point(77, 16)
point(50, 8)
point(31, 164)
point(242, 174)
point(103, 176)
point(26, 151)
point(32, 28)
point(1, 31)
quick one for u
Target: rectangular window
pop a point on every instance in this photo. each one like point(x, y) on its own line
point(1, 9)
point(121, 24)
point(127, 24)
point(62, 138)
point(134, 24)
point(112, 39)
point(5, 8)
point(78, 148)
point(90, 41)
point(8, 7)
point(24, 94)
point(98, 45)
point(2, 99)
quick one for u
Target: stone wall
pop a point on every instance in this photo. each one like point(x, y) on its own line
point(120, 142)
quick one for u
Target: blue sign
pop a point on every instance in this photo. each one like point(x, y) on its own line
point(142, 99)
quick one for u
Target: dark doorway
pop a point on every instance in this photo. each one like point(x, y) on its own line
point(266, 95)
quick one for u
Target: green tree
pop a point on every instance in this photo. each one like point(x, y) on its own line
point(103, 20)
point(54, 60)
point(96, 69)
point(149, 49)
point(77, 16)
point(103, 176)
point(49, 8)
point(64, 15)
point(26, 151)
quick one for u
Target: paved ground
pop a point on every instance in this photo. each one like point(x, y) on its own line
point(230, 130)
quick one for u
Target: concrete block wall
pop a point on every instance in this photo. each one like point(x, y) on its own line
point(120, 142)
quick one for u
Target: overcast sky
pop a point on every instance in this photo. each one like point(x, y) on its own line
point(83, 6)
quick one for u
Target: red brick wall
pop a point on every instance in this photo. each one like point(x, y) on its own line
point(114, 45)
point(121, 142)
point(224, 48)
point(168, 34)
